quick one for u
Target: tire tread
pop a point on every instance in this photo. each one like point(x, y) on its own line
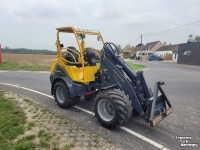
point(122, 103)
point(69, 101)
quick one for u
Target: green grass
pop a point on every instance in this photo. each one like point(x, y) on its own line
point(12, 121)
point(133, 66)
point(40, 133)
point(25, 146)
point(47, 136)
point(17, 133)
point(68, 146)
point(29, 137)
point(96, 139)
point(25, 139)
point(136, 66)
point(30, 125)
point(27, 100)
point(9, 65)
point(43, 143)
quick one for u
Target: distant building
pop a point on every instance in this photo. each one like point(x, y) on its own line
point(138, 48)
point(152, 46)
point(189, 53)
point(6, 47)
point(128, 51)
point(168, 49)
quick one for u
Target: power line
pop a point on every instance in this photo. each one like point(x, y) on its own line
point(165, 32)
point(172, 29)
point(132, 40)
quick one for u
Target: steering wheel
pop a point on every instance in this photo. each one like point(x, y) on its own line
point(95, 50)
point(108, 45)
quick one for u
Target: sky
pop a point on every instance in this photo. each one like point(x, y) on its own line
point(32, 23)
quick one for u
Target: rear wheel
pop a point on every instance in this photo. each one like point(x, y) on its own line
point(112, 107)
point(62, 96)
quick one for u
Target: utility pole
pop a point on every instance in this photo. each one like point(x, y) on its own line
point(141, 48)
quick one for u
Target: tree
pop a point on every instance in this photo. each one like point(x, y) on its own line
point(119, 48)
point(197, 38)
point(190, 36)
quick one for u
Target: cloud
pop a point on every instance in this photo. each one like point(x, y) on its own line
point(37, 9)
point(97, 14)
point(121, 21)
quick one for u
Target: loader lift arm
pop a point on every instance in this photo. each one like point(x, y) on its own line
point(117, 73)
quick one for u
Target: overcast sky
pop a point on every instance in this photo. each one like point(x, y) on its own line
point(32, 23)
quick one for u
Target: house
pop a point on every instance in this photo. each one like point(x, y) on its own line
point(138, 48)
point(152, 46)
point(189, 53)
point(128, 51)
point(168, 49)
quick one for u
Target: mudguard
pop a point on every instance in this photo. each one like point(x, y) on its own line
point(75, 89)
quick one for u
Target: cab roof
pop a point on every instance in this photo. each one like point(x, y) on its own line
point(70, 29)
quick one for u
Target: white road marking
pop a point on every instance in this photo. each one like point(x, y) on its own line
point(25, 71)
point(143, 138)
point(34, 71)
point(91, 113)
point(165, 148)
point(87, 111)
point(3, 71)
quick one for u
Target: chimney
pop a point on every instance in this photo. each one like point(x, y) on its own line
point(164, 44)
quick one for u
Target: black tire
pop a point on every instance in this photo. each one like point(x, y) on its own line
point(119, 104)
point(67, 101)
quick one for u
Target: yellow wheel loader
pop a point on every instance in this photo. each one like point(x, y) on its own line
point(101, 74)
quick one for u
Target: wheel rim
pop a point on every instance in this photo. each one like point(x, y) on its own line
point(60, 94)
point(105, 110)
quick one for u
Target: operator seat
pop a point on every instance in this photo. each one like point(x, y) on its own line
point(71, 59)
point(69, 56)
point(90, 57)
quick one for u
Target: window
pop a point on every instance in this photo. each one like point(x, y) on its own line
point(186, 52)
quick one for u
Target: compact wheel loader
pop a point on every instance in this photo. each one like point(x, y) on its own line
point(104, 77)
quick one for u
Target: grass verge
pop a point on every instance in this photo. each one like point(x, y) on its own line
point(136, 66)
point(133, 66)
point(25, 125)
point(10, 65)
point(12, 120)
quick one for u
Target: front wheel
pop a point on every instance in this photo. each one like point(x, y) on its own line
point(112, 107)
point(62, 95)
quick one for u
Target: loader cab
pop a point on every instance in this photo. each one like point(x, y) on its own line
point(79, 59)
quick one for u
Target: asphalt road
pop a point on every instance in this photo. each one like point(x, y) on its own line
point(182, 88)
